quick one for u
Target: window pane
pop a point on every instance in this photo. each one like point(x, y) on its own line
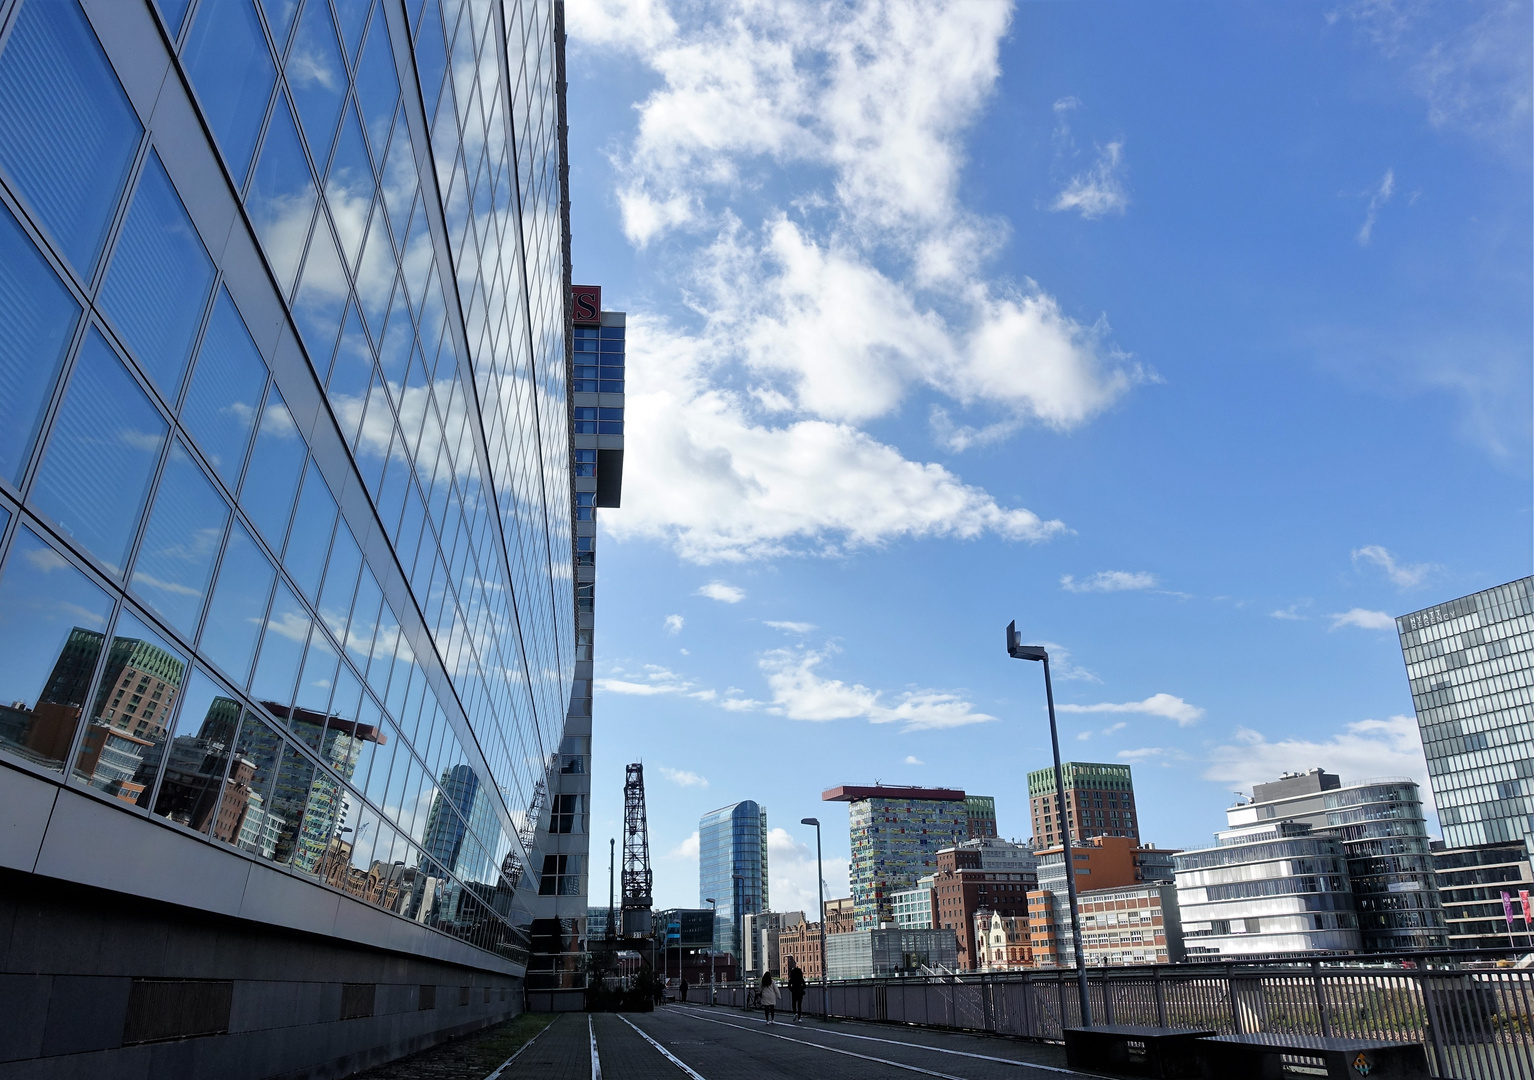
point(67, 132)
point(186, 527)
point(352, 15)
point(340, 582)
point(225, 395)
point(317, 78)
point(290, 794)
point(398, 340)
point(399, 176)
point(279, 16)
point(316, 684)
point(239, 601)
point(159, 278)
point(349, 188)
point(271, 481)
point(228, 62)
point(321, 294)
point(350, 376)
point(282, 646)
point(173, 11)
point(321, 818)
point(101, 455)
point(364, 622)
point(121, 751)
point(198, 755)
point(282, 195)
point(375, 279)
point(418, 254)
point(255, 827)
point(309, 539)
point(377, 84)
point(36, 317)
point(52, 621)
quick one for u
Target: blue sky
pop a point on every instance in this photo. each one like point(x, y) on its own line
point(1195, 337)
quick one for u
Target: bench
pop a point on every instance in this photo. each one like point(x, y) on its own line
point(1294, 1057)
point(1162, 1052)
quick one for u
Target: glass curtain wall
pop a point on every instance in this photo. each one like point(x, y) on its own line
point(189, 626)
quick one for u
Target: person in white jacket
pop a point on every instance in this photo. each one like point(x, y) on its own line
point(769, 996)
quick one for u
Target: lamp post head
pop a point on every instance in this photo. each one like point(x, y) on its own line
point(810, 821)
point(1018, 651)
point(710, 900)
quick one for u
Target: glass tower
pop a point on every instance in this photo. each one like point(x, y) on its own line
point(732, 869)
point(1470, 663)
point(286, 476)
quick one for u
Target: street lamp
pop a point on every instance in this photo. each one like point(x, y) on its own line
point(1018, 651)
point(820, 883)
point(711, 950)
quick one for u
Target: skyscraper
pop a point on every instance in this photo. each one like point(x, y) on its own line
point(732, 869)
point(287, 512)
point(1101, 797)
point(1470, 663)
point(896, 833)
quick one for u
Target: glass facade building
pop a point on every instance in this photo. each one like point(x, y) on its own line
point(287, 567)
point(732, 869)
point(1470, 663)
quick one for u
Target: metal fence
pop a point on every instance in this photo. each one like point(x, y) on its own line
point(1476, 1020)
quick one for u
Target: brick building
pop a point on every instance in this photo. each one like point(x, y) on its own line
point(1099, 801)
point(962, 887)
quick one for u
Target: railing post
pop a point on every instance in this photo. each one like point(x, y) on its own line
point(1315, 978)
point(1230, 993)
point(1107, 998)
point(1160, 997)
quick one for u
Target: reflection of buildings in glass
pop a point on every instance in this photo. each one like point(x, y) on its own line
point(194, 767)
point(45, 731)
point(448, 838)
point(138, 687)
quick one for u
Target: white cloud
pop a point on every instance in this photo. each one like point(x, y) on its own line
point(1166, 706)
point(1151, 753)
point(1367, 749)
point(1469, 62)
point(683, 778)
point(725, 594)
point(791, 873)
point(792, 627)
point(719, 484)
point(746, 441)
point(1111, 581)
point(649, 681)
point(1363, 619)
point(912, 759)
point(1292, 612)
point(1405, 575)
point(1378, 196)
point(687, 849)
point(1100, 190)
point(674, 624)
point(801, 693)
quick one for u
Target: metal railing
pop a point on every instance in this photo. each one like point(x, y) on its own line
point(1475, 1019)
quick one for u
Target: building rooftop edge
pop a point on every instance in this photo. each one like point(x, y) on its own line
point(854, 792)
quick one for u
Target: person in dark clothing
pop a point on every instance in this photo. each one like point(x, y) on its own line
point(683, 989)
point(796, 990)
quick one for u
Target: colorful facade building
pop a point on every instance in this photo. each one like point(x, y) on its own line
point(896, 833)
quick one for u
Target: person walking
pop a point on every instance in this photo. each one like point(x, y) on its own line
point(769, 996)
point(683, 989)
point(796, 990)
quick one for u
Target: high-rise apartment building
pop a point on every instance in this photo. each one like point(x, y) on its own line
point(732, 869)
point(981, 811)
point(288, 613)
point(896, 833)
point(1101, 797)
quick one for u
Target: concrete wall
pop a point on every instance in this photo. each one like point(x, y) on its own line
point(102, 985)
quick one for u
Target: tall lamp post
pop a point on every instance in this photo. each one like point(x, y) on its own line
point(1018, 651)
point(820, 884)
point(711, 947)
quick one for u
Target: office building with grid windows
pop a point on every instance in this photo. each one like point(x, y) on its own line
point(1100, 797)
point(288, 614)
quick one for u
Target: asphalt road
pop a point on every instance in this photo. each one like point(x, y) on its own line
point(699, 1043)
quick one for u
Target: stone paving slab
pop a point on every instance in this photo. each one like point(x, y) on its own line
point(562, 1052)
point(468, 1057)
